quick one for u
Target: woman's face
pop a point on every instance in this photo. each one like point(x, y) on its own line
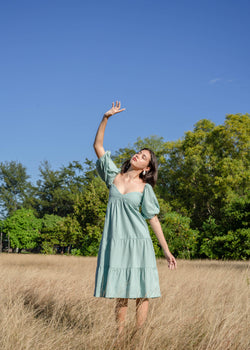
point(141, 160)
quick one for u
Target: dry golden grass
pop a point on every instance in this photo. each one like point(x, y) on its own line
point(46, 303)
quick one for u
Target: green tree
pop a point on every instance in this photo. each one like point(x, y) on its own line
point(23, 229)
point(50, 233)
point(71, 233)
point(57, 189)
point(209, 167)
point(59, 234)
point(216, 243)
point(182, 240)
point(14, 187)
point(90, 210)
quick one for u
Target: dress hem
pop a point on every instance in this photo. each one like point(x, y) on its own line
point(134, 298)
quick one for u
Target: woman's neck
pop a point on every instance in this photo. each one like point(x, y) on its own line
point(132, 174)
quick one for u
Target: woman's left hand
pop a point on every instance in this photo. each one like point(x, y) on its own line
point(172, 264)
point(116, 108)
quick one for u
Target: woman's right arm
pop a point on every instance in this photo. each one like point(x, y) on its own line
point(98, 143)
point(156, 226)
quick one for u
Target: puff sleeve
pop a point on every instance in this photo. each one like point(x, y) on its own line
point(106, 168)
point(150, 206)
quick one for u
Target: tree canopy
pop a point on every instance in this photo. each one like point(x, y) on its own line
point(203, 189)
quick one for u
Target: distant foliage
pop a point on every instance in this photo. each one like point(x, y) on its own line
point(90, 212)
point(203, 189)
point(58, 234)
point(14, 187)
point(23, 229)
point(181, 238)
point(217, 244)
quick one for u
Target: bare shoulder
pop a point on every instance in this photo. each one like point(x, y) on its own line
point(118, 177)
point(141, 186)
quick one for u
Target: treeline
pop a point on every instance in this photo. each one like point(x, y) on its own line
point(203, 190)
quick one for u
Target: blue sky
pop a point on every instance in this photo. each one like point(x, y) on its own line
point(62, 63)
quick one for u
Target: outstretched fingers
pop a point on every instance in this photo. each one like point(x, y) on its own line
point(118, 107)
point(118, 104)
point(121, 110)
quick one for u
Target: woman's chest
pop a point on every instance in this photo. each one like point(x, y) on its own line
point(126, 186)
point(131, 198)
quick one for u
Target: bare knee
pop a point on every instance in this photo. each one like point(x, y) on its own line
point(140, 301)
point(121, 302)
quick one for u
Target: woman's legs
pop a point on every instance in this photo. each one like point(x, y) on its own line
point(141, 311)
point(120, 313)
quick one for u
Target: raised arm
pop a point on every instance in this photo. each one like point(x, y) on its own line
point(98, 143)
point(156, 226)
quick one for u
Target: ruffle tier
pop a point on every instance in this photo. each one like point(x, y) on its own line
point(124, 273)
point(129, 283)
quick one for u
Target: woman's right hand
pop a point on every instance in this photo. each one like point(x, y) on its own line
point(116, 108)
point(172, 264)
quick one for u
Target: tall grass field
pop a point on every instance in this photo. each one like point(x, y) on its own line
point(47, 303)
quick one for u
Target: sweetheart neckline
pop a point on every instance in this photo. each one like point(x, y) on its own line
point(123, 194)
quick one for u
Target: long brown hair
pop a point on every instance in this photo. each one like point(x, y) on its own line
point(151, 175)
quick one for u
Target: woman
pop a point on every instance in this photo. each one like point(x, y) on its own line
point(126, 267)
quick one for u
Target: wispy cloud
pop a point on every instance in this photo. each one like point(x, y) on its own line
point(213, 81)
point(216, 80)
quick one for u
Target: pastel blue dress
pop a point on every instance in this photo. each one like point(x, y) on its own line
point(126, 265)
